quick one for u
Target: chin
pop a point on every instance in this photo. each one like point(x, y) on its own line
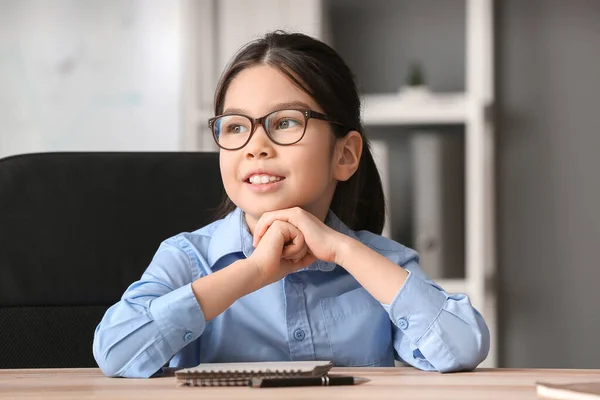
point(258, 211)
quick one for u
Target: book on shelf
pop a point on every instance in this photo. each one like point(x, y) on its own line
point(438, 202)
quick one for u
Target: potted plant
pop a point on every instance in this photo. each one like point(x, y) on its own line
point(415, 86)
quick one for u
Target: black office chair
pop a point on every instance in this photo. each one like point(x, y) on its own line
point(75, 230)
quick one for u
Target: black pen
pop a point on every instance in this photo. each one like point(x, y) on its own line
point(307, 381)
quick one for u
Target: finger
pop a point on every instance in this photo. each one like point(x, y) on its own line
point(294, 239)
point(291, 250)
point(274, 238)
point(284, 235)
point(262, 226)
point(295, 252)
point(265, 221)
point(260, 229)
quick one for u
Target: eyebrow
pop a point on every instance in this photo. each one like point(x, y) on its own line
point(275, 107)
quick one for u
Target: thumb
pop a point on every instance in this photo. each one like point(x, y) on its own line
point(280, 233)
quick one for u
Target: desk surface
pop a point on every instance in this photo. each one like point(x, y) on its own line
point(386, 383)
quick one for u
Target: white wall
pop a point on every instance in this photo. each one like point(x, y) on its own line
point(90, 75)
point(241, 21)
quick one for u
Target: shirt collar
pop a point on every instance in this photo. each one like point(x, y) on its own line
point(232, 236)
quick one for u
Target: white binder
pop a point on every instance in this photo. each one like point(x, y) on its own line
point(438, 202)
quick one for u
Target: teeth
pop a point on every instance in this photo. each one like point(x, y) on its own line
point(262, 179)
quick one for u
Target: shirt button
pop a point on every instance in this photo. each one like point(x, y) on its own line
point(293, 278)
point(188, 337)
point(403, 323)
point(299, 334)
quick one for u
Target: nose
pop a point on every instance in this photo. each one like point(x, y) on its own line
point(259, 146)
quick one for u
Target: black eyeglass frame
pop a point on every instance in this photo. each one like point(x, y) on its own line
point(308, 114)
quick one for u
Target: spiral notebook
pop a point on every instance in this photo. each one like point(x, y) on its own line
point(240, 374)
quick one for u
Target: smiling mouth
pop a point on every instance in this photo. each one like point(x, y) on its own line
point(263, 179)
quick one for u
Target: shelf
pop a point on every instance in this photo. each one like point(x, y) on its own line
point(395, 109)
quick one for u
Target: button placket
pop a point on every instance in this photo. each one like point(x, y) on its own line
point(299, 334)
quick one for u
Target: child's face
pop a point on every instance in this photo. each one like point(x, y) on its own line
point(303, 171)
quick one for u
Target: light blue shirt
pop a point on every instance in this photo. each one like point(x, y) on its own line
point(318, 313)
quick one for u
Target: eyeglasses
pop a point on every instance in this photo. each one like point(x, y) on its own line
point(283, 127)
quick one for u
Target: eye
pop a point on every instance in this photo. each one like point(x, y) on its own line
point(286, 123)
point(236, 129)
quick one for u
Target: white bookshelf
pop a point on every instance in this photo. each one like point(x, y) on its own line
point(469, 109)
point(397, 109)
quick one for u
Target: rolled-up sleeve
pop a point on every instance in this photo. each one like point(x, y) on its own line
point(434, 330)
point(156, 317)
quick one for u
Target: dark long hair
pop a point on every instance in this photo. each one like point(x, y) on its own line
point(319, 71)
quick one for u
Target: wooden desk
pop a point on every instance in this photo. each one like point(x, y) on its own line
point(386, 383)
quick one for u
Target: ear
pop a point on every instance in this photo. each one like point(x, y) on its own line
point(347, 156)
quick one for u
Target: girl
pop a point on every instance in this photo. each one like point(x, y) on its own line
point(295, 269)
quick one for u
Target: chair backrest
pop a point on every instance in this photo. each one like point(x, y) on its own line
point(75, 230)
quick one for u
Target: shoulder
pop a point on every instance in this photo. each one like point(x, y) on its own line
point(389, 248)
point(199, 239)
point(188, 251)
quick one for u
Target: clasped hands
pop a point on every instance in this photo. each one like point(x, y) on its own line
point(291, 239)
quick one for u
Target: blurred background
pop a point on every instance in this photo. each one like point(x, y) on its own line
point(483, 116)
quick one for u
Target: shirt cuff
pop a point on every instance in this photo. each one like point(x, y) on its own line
point(179, 317)
point(416, 307)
